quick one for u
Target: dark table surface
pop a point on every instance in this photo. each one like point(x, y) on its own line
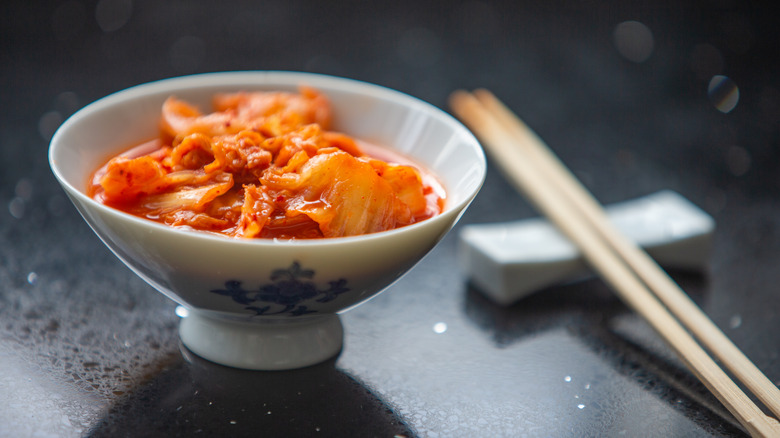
point(88, 349)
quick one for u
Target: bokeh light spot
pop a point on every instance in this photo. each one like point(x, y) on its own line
point(112, 15)
point(67, 102)
point(24, 189)
point(634, 41)
point(723, 93)
point(48, 124)
point(16, 207)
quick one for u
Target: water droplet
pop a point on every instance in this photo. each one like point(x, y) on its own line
point(233, 422)
point(735, 321)
point(112, 15)
point(581, 406)
point(634, 41)
point(567, 379)
point(587, 386)
point(181, 312)
point(440, 327)
point(723, 93)
point(32, 278)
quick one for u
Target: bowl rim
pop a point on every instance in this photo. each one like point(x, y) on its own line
point(261, 78)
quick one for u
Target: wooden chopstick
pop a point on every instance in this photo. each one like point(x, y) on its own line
point(546, 183)
point(679, 303)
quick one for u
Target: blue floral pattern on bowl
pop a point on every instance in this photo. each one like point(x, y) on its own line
point(289, 288)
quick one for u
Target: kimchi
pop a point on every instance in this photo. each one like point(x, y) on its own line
point(265, 165)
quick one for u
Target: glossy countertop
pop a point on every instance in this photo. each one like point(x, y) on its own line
point(635, 97)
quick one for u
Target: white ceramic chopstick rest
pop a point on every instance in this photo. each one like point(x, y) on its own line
point(508, 261)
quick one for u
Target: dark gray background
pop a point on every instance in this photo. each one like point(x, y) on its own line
point(88, 349)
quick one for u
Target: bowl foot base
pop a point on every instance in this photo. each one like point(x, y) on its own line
point(264, 345)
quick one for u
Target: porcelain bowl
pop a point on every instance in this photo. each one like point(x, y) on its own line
point(262, 303)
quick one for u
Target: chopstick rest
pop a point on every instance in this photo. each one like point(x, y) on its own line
point(509, 261)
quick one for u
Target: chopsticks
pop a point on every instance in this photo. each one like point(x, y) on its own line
point(636, 278)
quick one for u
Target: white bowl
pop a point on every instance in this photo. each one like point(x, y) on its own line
point(267, 304)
